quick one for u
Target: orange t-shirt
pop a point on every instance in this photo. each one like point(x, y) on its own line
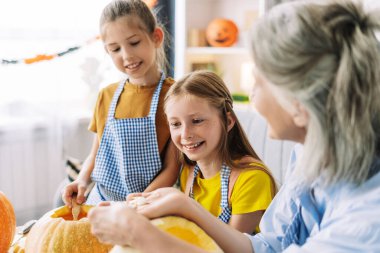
point(134, 102)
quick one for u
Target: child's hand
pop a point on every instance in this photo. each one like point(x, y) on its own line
point(77, 187)
point(161, 202)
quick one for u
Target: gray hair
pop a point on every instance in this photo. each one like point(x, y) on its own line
point(326, 56)
point(147, 21)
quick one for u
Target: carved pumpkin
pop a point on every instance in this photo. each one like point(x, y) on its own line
point(181, 228)
point(221, 33)
point(57, 232)
point(7, 223)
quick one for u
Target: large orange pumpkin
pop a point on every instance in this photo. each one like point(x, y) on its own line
point(57, 232)
point(221, 32)
point(7, 223)
point(183, 229)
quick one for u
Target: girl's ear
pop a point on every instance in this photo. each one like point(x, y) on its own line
point(300, 115)
point(230, 121)
point(158, 36)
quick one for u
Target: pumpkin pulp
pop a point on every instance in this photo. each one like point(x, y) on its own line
point(66, 214)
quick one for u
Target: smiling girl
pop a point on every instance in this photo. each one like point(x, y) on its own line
point(220, 169)
point(132, 143)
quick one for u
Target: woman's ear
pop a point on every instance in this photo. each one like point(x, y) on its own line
point(230, 121)
point(300, 115)
point(158, 36)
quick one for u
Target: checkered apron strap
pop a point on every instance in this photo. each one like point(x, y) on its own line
point(116, 96)
point(191, 179)
point(224, 205)
point(156, 96)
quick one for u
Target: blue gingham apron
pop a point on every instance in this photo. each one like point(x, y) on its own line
point(225, 172)
point(128, 158)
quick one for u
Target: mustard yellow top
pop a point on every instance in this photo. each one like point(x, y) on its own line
point(134, 102)
point(252, 191)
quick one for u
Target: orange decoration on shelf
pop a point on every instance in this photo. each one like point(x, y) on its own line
point(222, 33)
point(58, 232)
point(7, 223)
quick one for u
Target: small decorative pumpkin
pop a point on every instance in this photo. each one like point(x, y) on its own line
point(57, 232)
point(7, 223)
point(222, 33)
point(181, 228)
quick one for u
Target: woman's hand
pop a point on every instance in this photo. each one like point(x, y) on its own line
point(116, 224)
point(77, 187)
point(163, 202)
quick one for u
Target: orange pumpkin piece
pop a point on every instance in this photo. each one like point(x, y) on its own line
point(58, 232)
point(7, 223)
point(222, 33)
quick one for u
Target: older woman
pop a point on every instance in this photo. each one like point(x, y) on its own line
point(318, 83)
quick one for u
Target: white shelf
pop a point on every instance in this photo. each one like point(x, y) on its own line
point(217, 50)
point(229, 62)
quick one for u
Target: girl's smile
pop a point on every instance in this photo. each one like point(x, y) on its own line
point(192, 147)
point(133, 66)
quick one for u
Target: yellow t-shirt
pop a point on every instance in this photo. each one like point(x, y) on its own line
point(252, 191)
point(134, 102)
